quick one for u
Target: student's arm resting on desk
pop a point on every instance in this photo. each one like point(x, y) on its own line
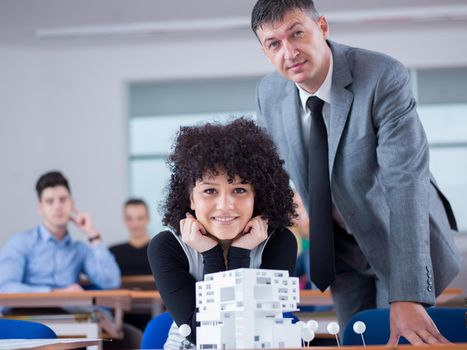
point(100, 266)
point(402, 154)
point(13, 259)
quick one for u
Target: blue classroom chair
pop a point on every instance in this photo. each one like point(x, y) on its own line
point(450, 322)
point(156, 332)
point(19, 329)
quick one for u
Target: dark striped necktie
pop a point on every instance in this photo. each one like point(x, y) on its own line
point(322, 264)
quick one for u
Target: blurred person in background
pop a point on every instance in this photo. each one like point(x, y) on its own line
point(132, 256)
point(46, 258)
point(301, 230)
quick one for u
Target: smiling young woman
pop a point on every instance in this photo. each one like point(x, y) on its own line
point(228, 206)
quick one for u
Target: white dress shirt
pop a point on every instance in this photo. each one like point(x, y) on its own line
point(323, 93)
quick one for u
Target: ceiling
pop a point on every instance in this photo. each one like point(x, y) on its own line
point(22, 22)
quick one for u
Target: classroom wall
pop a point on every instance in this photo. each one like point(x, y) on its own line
point(64, 105)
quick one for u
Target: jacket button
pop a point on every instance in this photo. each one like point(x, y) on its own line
point(429, 288)
point(428, 281)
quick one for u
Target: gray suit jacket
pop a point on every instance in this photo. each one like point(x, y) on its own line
point(378, 164)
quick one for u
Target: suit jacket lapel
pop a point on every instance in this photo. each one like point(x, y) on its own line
point(341, 100)
point(292, 127)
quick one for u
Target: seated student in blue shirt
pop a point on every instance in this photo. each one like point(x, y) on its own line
point(46, 258)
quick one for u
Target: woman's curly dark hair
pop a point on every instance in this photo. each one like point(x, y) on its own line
point(239, 148)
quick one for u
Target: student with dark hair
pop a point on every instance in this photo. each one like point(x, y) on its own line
point(51, 179)
point(228, 206)
point(132, 256)
point(46, 258)
point(345, 119)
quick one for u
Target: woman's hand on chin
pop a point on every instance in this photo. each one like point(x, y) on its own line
point(194, 234)
point(255, 232)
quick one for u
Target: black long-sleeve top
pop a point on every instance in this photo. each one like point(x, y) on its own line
point(170, 267)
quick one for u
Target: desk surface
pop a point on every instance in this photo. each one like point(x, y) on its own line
point(126, 299)
point(447, 295)
point(460, 346)
point(64, 344)
point(47, 344)
point(316, 297)
point(118, 300)
point(138, 282)
point(108, 298)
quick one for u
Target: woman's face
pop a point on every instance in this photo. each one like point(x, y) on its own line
point(223, 208)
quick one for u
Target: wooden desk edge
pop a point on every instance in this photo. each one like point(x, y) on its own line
point(458, 346)
point(64, 345)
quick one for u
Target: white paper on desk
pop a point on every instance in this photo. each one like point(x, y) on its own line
point(11, 344)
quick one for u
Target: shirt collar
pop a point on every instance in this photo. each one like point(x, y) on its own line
point(324, 91)
point(46, 235)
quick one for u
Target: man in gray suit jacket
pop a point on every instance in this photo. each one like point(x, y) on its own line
point(393, 227)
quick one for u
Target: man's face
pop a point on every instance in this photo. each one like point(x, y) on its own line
point(136, 219)
point(55, 207)
point(297, 48)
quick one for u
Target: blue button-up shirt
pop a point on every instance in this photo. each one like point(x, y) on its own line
point(34, 261)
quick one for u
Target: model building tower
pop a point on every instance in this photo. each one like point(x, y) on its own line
point(242, 309)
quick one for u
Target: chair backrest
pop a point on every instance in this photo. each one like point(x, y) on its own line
point(19, 329)
point(450, 322)
point(156, 332)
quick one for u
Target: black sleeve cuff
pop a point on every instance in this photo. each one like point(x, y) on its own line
point(238, 258)
point(213, 260)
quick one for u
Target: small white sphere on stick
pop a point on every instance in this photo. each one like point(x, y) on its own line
point(184, 330)
point(333, 328)
point(301, 324)
point(307, 334)
point(313, 325)
point(359, 327)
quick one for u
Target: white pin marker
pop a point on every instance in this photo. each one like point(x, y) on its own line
point(359, 327)
point(184, 330)
point(313, 325)
point(307, 335)
point(301, 325)
point(333, 328)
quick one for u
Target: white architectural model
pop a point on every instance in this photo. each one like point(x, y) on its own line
point(243, 308)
